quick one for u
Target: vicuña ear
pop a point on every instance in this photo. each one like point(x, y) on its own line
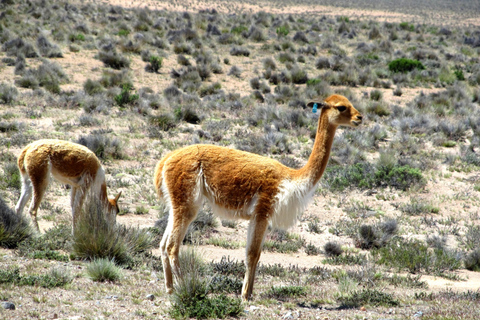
point(320, 103)
point(118, 196)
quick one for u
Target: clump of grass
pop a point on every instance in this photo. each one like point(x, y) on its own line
point(155, 63)
point(48, 245)
point(191, 298)
point(332, 249)
point(102, 270)
point(417, 207)
point(239, 51)
point(56, 277)
point(285, 293)
point(93, 87)
point(97, 236)
point(125, 97)
point(312, 250)
point(405, 65)
point(11, 175)
point(371, 297)
point(282, 241)
point(103, 146)
point(415, 256)
point(8, 93)
point(375, 236)
point(113, 59)
point(364, 175)
point(13, 228)
point(472, 260)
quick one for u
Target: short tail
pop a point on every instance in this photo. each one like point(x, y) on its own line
point(21, 162)
point(158, 178)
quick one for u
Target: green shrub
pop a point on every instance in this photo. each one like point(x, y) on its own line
point(97, 236)
point(48, 244)
point(332, 249)
point(405, 65)
point(155, 64)
point(415, 256)
point(285, 292)
point(13, 228)
point(282, 241)
point(164, 121)
point(103, 146)
point(101, 270)
point(370, 297)
point(54, 278)
point(365, 176)
point(93, 87)
point(125, 97)
point(472, 260)
point(114, 60)
point(8, 93)
point(283, 31)
point(191, 298)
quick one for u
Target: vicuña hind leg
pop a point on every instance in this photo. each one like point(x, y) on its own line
point(178, 222)
point(40, 179)
point(26, 194)
point(256, 232)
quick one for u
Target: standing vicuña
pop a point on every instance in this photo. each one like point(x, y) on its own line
point(242, 185)
point(69, 163)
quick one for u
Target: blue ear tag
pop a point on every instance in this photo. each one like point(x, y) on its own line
point(315, 107)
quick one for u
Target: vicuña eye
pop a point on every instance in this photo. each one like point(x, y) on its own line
point(341, 108)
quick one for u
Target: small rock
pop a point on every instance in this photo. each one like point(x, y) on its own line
point(419, 314)
point(150, 297)
point(8, 305)
point(288, 315)
point(363, 309)
point(253, 308)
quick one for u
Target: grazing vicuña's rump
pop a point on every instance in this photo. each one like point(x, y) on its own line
point(69, 163)
point(242, 185)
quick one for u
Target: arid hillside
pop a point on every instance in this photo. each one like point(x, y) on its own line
point(393, 229)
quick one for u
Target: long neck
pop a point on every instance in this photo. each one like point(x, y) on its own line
point(314, 168)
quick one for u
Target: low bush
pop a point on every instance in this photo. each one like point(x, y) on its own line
point(365, 176)
point(102, 270)
point(191, 297)
point(405, 65)
point(284, 293)
point(415, 256)
point(371, 297)
point(472, 260)
point(13, 228)
point(8, 93)
point(103, 146)
point(54, 278)
point(125, 97)
point(48, 245)
point(97, 236)
point(114, 60)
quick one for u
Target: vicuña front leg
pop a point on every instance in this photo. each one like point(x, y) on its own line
point(26, 194)
point(256, 232)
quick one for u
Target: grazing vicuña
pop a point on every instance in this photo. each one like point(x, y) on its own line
point(69, 163)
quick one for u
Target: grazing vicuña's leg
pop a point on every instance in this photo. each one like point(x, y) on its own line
point(26, 194)
point(40, 180)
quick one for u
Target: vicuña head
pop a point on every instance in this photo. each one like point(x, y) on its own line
point(69, 163)
point(242, 185)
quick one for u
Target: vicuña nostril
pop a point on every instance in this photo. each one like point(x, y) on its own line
point(359, 117)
